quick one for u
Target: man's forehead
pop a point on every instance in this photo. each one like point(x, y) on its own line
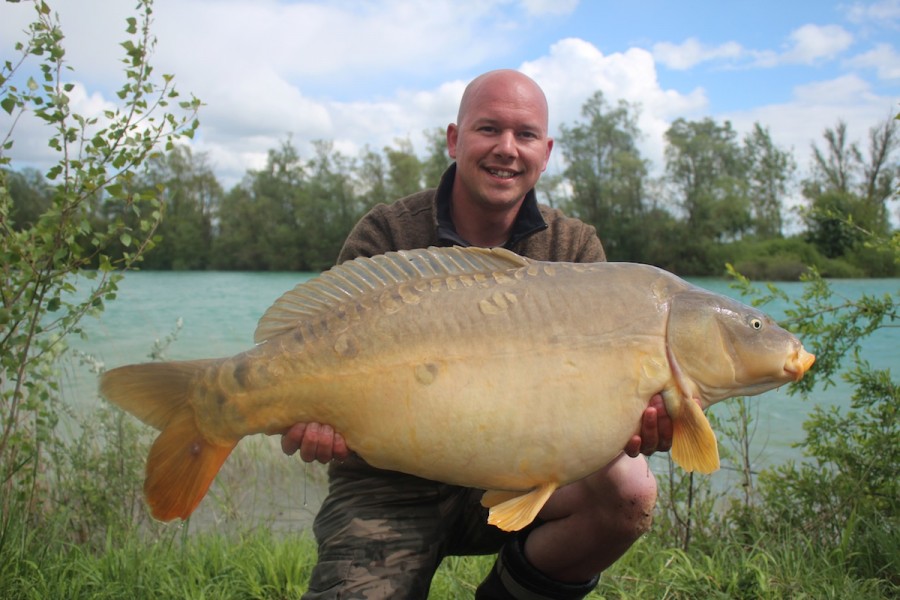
point(509, 109)
point(516, 119)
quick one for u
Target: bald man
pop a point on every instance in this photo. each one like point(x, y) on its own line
point(382, 534)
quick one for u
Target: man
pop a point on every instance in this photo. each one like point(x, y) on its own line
point(382, 534)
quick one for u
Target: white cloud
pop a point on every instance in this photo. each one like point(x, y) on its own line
point(883, 58)
point(539, 8)
point(811, 43)
point(805, 45)
point(885, 13)
point(692, 52)
point(800, 122)
point(574, 69)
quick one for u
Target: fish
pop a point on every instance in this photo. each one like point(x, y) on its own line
point(475, 367)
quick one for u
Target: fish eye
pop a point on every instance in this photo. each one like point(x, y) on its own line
point(756, 324)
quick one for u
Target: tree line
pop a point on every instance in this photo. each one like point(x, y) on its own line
point(722, 198)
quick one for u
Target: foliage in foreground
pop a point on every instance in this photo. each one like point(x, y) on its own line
point(259, 564)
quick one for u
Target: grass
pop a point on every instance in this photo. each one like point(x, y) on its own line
point(262, 563)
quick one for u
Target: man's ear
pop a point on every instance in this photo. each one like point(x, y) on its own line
point(452, 138)
point(547, 156)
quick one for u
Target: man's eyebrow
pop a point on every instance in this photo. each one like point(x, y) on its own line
point(519, 126)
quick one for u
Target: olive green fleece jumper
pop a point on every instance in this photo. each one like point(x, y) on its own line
point(423, 219)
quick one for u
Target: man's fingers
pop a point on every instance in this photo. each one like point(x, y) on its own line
point(340, 449)
point(290, 439)
point(649, 432)
point(633, 447)
point(325, 450)
point(664, 424)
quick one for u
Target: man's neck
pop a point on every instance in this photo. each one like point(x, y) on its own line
point(480, 227)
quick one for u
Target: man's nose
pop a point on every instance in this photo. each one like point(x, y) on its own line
point(506, 144)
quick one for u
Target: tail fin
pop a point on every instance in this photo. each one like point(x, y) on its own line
point(182, 462)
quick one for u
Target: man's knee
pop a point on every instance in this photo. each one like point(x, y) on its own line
point(626, 489)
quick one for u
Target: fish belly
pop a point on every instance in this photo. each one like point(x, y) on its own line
point(462, 392)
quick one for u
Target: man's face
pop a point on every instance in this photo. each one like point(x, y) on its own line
point(500, 144)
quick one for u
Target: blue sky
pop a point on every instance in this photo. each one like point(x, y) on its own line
point(370, 72)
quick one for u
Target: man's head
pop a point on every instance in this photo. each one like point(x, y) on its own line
point(500, 140)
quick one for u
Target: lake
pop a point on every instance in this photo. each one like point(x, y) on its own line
point(219, 311)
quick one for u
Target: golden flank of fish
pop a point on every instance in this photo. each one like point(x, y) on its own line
point(468, 366)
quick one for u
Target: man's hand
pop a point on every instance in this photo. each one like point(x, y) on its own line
point(315, 442)
point(656, 430)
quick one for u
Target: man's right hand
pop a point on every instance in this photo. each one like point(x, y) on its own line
point(315, 442)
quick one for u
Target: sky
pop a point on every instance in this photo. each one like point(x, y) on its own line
point(371, 72)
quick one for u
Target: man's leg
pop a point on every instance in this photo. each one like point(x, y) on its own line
point(587, 526)
point(380, 535)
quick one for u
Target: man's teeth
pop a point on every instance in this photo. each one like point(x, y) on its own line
point(504, 174)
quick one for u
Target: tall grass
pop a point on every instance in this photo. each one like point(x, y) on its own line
point(262, 563)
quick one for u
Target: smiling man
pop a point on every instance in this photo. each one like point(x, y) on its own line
point(501, 147)
point(382, 534)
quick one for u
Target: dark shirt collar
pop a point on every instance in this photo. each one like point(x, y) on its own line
point(528, 222)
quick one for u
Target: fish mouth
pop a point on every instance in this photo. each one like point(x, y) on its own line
point(799, 363)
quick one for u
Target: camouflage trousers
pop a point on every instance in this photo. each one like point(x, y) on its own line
point(382, 534)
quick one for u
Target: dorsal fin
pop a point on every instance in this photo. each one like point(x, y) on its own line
point(363, 275)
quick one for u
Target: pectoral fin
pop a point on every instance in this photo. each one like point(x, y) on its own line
point(693, 440)
point(511, 511)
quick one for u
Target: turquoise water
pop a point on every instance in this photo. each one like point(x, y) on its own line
point(219, 311)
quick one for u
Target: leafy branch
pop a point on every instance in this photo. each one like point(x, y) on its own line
point(46, 264)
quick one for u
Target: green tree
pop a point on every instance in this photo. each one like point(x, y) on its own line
point(327, 209)
point(705, 165)
point(30, 194)
point(190, 196)
point(606, 174)
point(706, 171)
point(404, 169)
point(848, 190)
point(257, 220)
point(294, 214)
point(770, 171)
point(436, 160)
point(43, 256)
point(371, 178)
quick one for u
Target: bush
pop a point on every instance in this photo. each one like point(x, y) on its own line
point(41, 256)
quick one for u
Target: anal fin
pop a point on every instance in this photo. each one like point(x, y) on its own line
point(511, 511)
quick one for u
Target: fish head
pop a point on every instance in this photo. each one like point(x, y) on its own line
point(727, 348)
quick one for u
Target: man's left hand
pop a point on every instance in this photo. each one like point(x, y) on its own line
point(656, 430)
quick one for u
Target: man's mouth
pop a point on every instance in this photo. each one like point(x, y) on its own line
point(502, 173)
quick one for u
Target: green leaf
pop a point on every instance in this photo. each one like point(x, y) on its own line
point(8, 104)
point(125, 239)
